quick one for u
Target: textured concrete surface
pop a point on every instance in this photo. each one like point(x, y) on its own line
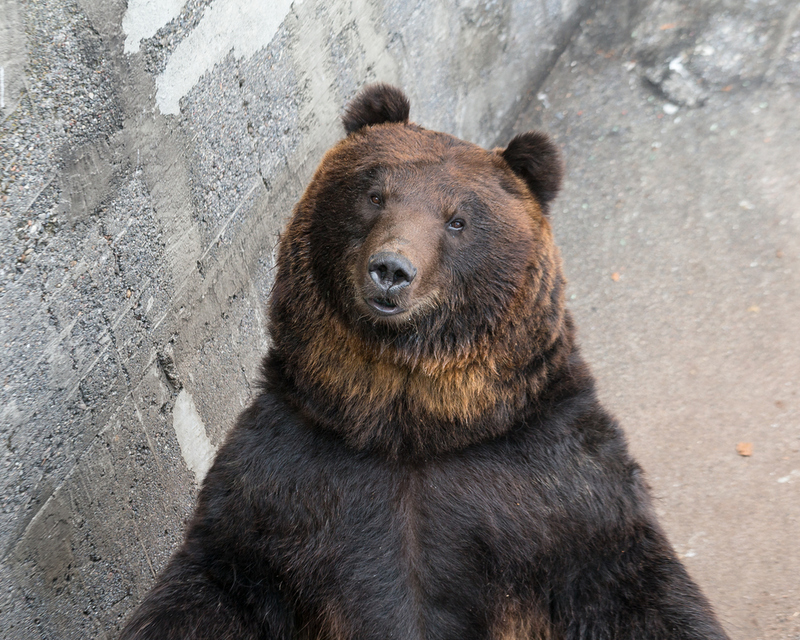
point(143, 181)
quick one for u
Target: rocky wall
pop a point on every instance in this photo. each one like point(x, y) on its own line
point(151, 153)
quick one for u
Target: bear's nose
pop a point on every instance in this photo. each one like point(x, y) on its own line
point(391, 271)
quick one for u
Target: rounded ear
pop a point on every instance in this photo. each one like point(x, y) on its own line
point(537, 160)
point(375, 104)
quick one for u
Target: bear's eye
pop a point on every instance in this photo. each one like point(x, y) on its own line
point(375, 199)
point(457, 224)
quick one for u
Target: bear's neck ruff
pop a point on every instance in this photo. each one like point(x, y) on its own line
point(380, 397)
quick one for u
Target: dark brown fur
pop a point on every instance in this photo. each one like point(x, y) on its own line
point(428, 462)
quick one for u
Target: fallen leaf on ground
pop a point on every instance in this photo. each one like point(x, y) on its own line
point(615, 276)
point(745, 449)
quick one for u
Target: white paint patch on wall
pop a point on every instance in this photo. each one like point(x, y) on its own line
point(244, 26)
point(144, 17)
point(196, 448)
point(13, 55)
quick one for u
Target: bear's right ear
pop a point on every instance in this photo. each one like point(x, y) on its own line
point(535, 159)
point(375, 104)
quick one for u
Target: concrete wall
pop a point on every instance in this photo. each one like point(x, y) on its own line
point(150, 155)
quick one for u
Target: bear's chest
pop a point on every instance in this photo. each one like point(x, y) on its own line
point(436, 549)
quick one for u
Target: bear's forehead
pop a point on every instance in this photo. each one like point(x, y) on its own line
point(447, 181)
point(397, 145)
point(399, 154)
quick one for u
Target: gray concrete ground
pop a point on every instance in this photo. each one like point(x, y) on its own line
point(680, 231)
point(139, 213)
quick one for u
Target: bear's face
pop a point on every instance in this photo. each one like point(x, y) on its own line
point(428, 228)
point(418, 302)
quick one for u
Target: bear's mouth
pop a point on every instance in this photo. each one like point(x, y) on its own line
point(384, 306)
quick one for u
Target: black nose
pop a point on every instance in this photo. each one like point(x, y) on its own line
point(391, 271)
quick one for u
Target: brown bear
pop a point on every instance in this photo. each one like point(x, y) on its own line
point(427, 458)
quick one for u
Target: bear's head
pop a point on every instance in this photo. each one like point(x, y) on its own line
point(418, 304)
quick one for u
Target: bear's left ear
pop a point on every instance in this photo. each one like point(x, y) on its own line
point(375, 104)
point(535, 159)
